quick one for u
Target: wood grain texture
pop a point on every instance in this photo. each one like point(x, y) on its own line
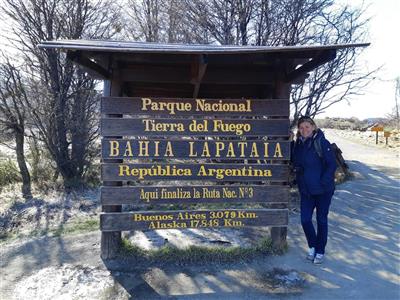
point(193, 171)
point(147, 220)
point(193, 194)
point(195, 127)
point(192, 149)
point(140, 106)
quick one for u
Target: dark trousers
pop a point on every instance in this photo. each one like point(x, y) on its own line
point(308, 204)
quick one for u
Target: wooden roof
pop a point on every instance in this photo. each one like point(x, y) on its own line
point(140, 47)
point(182, 68)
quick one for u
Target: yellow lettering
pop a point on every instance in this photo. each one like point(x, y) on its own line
point(206, 150)
point(192, 152)
point(128, 149)
point(254, 151)
point(156, 146)
point(145, 102)
point(231, 151)
point(278, 151)
point(123, 169)
point(266, 150)
point(114, 148)
point(202, 171)
point(168, 150)
point(144, 148)
point(242, 145)
point(218, 147)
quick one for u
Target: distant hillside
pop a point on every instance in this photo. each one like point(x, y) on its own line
point(342, 123)
point(371, 121)
point(350, 123)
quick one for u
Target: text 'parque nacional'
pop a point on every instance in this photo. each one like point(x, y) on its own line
point(201, 105)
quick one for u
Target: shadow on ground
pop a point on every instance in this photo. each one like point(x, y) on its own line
point(362, 256)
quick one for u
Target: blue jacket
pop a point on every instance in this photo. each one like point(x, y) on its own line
point(314, 175)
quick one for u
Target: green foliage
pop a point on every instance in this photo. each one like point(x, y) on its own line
point(9, 173)
point(199, 254)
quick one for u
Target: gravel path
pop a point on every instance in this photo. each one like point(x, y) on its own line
point(362, 259)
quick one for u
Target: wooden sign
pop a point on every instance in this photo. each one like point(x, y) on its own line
point(229, 218)
point(386, 134)
point(194, 127)
point(194, 107)
point(207, 172)
point(135, 195)
point(377, 128)
point(192, 149)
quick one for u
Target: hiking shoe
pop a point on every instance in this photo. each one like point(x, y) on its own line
point(311, 254)
point(318, 259)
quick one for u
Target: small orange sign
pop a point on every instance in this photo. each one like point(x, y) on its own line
point(377, 128)
point(386, 134)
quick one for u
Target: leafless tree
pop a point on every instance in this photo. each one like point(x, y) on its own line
point(279, 23)
point(341, 78)
point(394, 115)
point(62, 100)
point(13, 116)
point(396, 99)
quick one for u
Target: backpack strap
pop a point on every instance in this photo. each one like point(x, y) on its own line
point(317, 146)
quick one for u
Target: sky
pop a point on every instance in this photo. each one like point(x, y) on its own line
point(379, 97)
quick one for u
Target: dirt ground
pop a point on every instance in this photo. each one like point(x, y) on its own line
point(362, 259)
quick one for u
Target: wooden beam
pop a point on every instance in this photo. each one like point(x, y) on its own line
point(279, 234)
point(111, 241)
point(323, 57)
point(198, 68)
point(89, 66)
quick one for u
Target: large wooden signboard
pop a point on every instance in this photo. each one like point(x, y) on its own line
point(219, 150)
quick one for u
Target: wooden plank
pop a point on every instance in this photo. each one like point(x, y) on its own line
point(279, 234)
point(135, 195)
point(193, 107)
point(207, 91)
point(111, 241)
point(192, 149)
point(193, 171)
point(195, 127)
point(193, 219)
point(181, 74)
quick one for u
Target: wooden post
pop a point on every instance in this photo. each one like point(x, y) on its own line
point(279, 234)
point(376, 139)
point(111, 241)
point(386, 134)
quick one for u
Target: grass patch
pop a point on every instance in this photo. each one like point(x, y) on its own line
point(81, 226)
point(75, 227)
point(199, 254)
